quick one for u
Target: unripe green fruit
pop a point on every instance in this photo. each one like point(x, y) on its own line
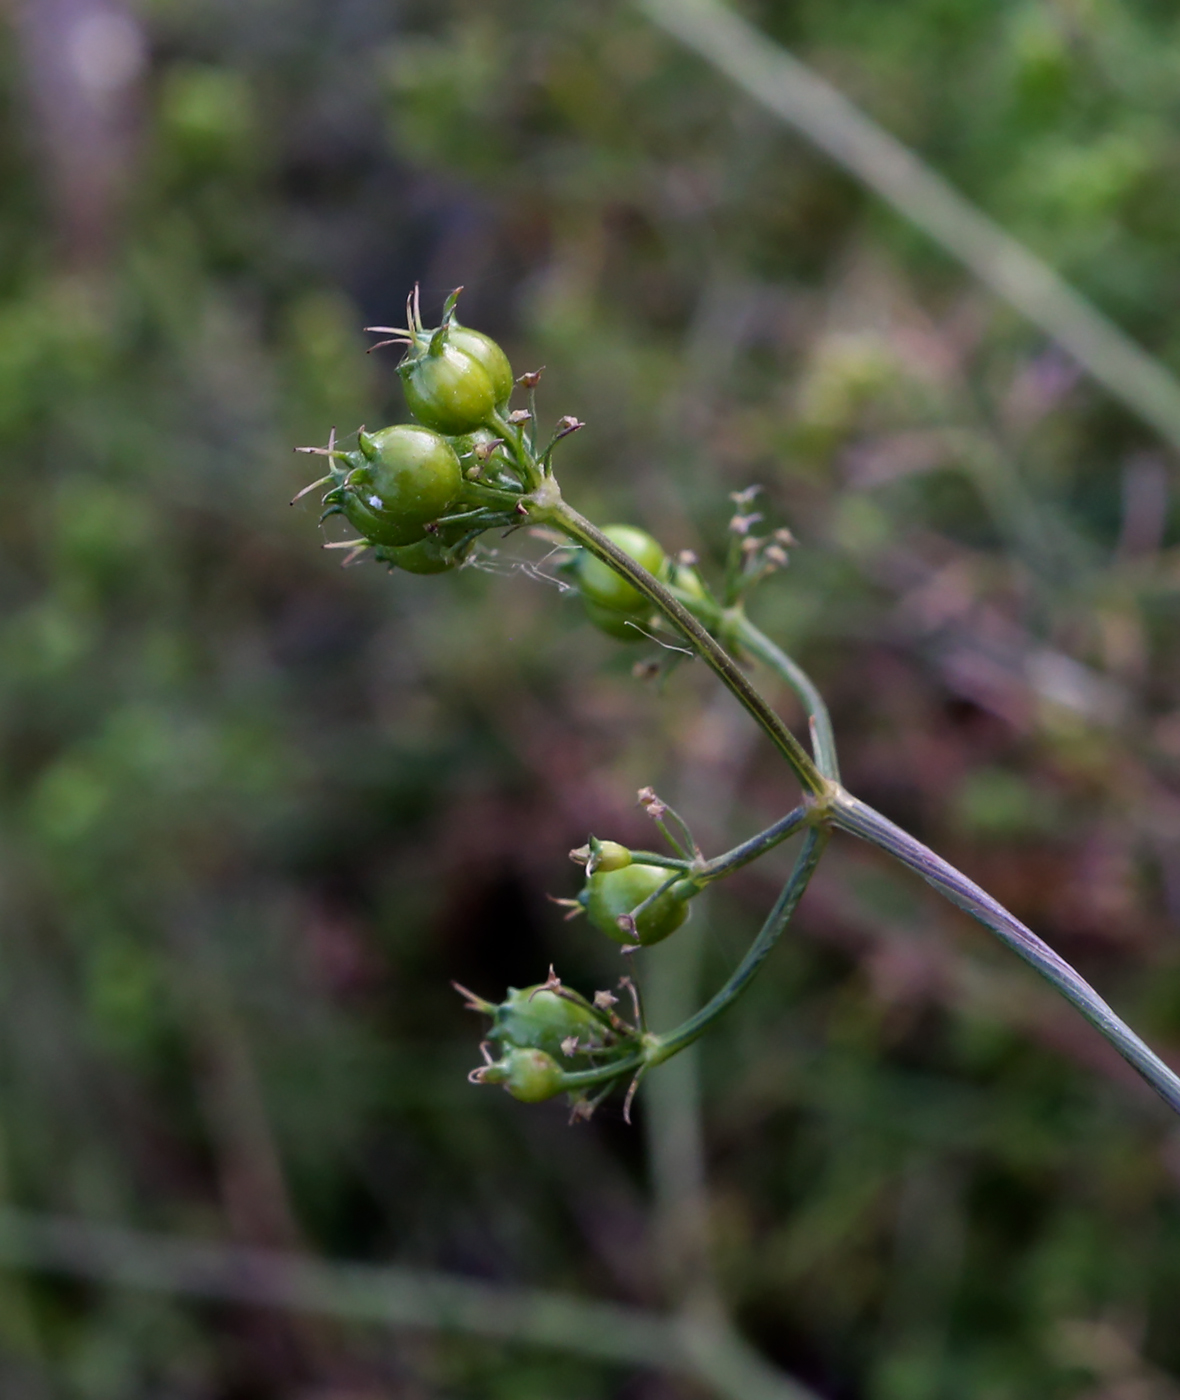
point(406, 477)
point(532, 1076)
point(466, 446)
point(427, 556)
point(484, 350)
point(376, 527)
point(434, 554)
point(623, 626)
point(601, 585)
point(612, 893)
point(686, 578)
point(538, 1018)
point(609, 855)
point(447, 389)
point(482, 463)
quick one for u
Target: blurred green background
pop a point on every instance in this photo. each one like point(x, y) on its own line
point(258, 810)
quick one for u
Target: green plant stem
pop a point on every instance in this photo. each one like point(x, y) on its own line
point(585, 1078)
point(705, 872)
point(514, 437)
point(781, 830)
point(664, 1047)
point(734, 628)
point(663, 861)
point(559, 513)
point(496, 496)
point(852, 815)
point(823, 738)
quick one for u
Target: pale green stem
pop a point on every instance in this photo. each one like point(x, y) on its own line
point(823, 739)
point(781, 830)
point(720, 866)
point(514, 437)
point(854, 816)
point(601, 1074)
point(665, 1046)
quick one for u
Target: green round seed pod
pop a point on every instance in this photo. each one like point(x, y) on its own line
point(405, 477)
point(686, 578)
point(609, 855)
point(532, 1076)
point(539, 1018)
point(466, 445)
point(447, 389)
point(601, 585)
point(427, 556)
point(434, 554)
point(613, 893)
point(377, 528)
point(415, 473)
point(483, 464)
point(484, 350)
point(618, 624)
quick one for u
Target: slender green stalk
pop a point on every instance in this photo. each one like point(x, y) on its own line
point(563, 515)
point(856, 817)
point(705, 872)
point(491, 495)
point(781, 830)
point(601, 1074)
point(823, 739)
point(733, 627)
point(514, 437)
point(665, 862)
point(665, 1046)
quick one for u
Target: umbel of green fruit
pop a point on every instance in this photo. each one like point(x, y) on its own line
point(611, 895)
point(405, 478)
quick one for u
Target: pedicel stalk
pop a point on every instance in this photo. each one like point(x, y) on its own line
point(420, 496)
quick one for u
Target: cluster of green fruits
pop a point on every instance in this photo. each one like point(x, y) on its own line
point(420, 494)
point(546, 1034)
point(403, 487)
point(551, 1039)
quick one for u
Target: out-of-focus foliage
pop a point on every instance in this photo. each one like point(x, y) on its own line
point(257, 811)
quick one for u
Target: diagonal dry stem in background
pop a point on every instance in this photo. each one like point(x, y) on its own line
point(783, 85)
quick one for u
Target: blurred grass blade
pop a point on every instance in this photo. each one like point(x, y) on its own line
point(398, 1297)
point(780, 83)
